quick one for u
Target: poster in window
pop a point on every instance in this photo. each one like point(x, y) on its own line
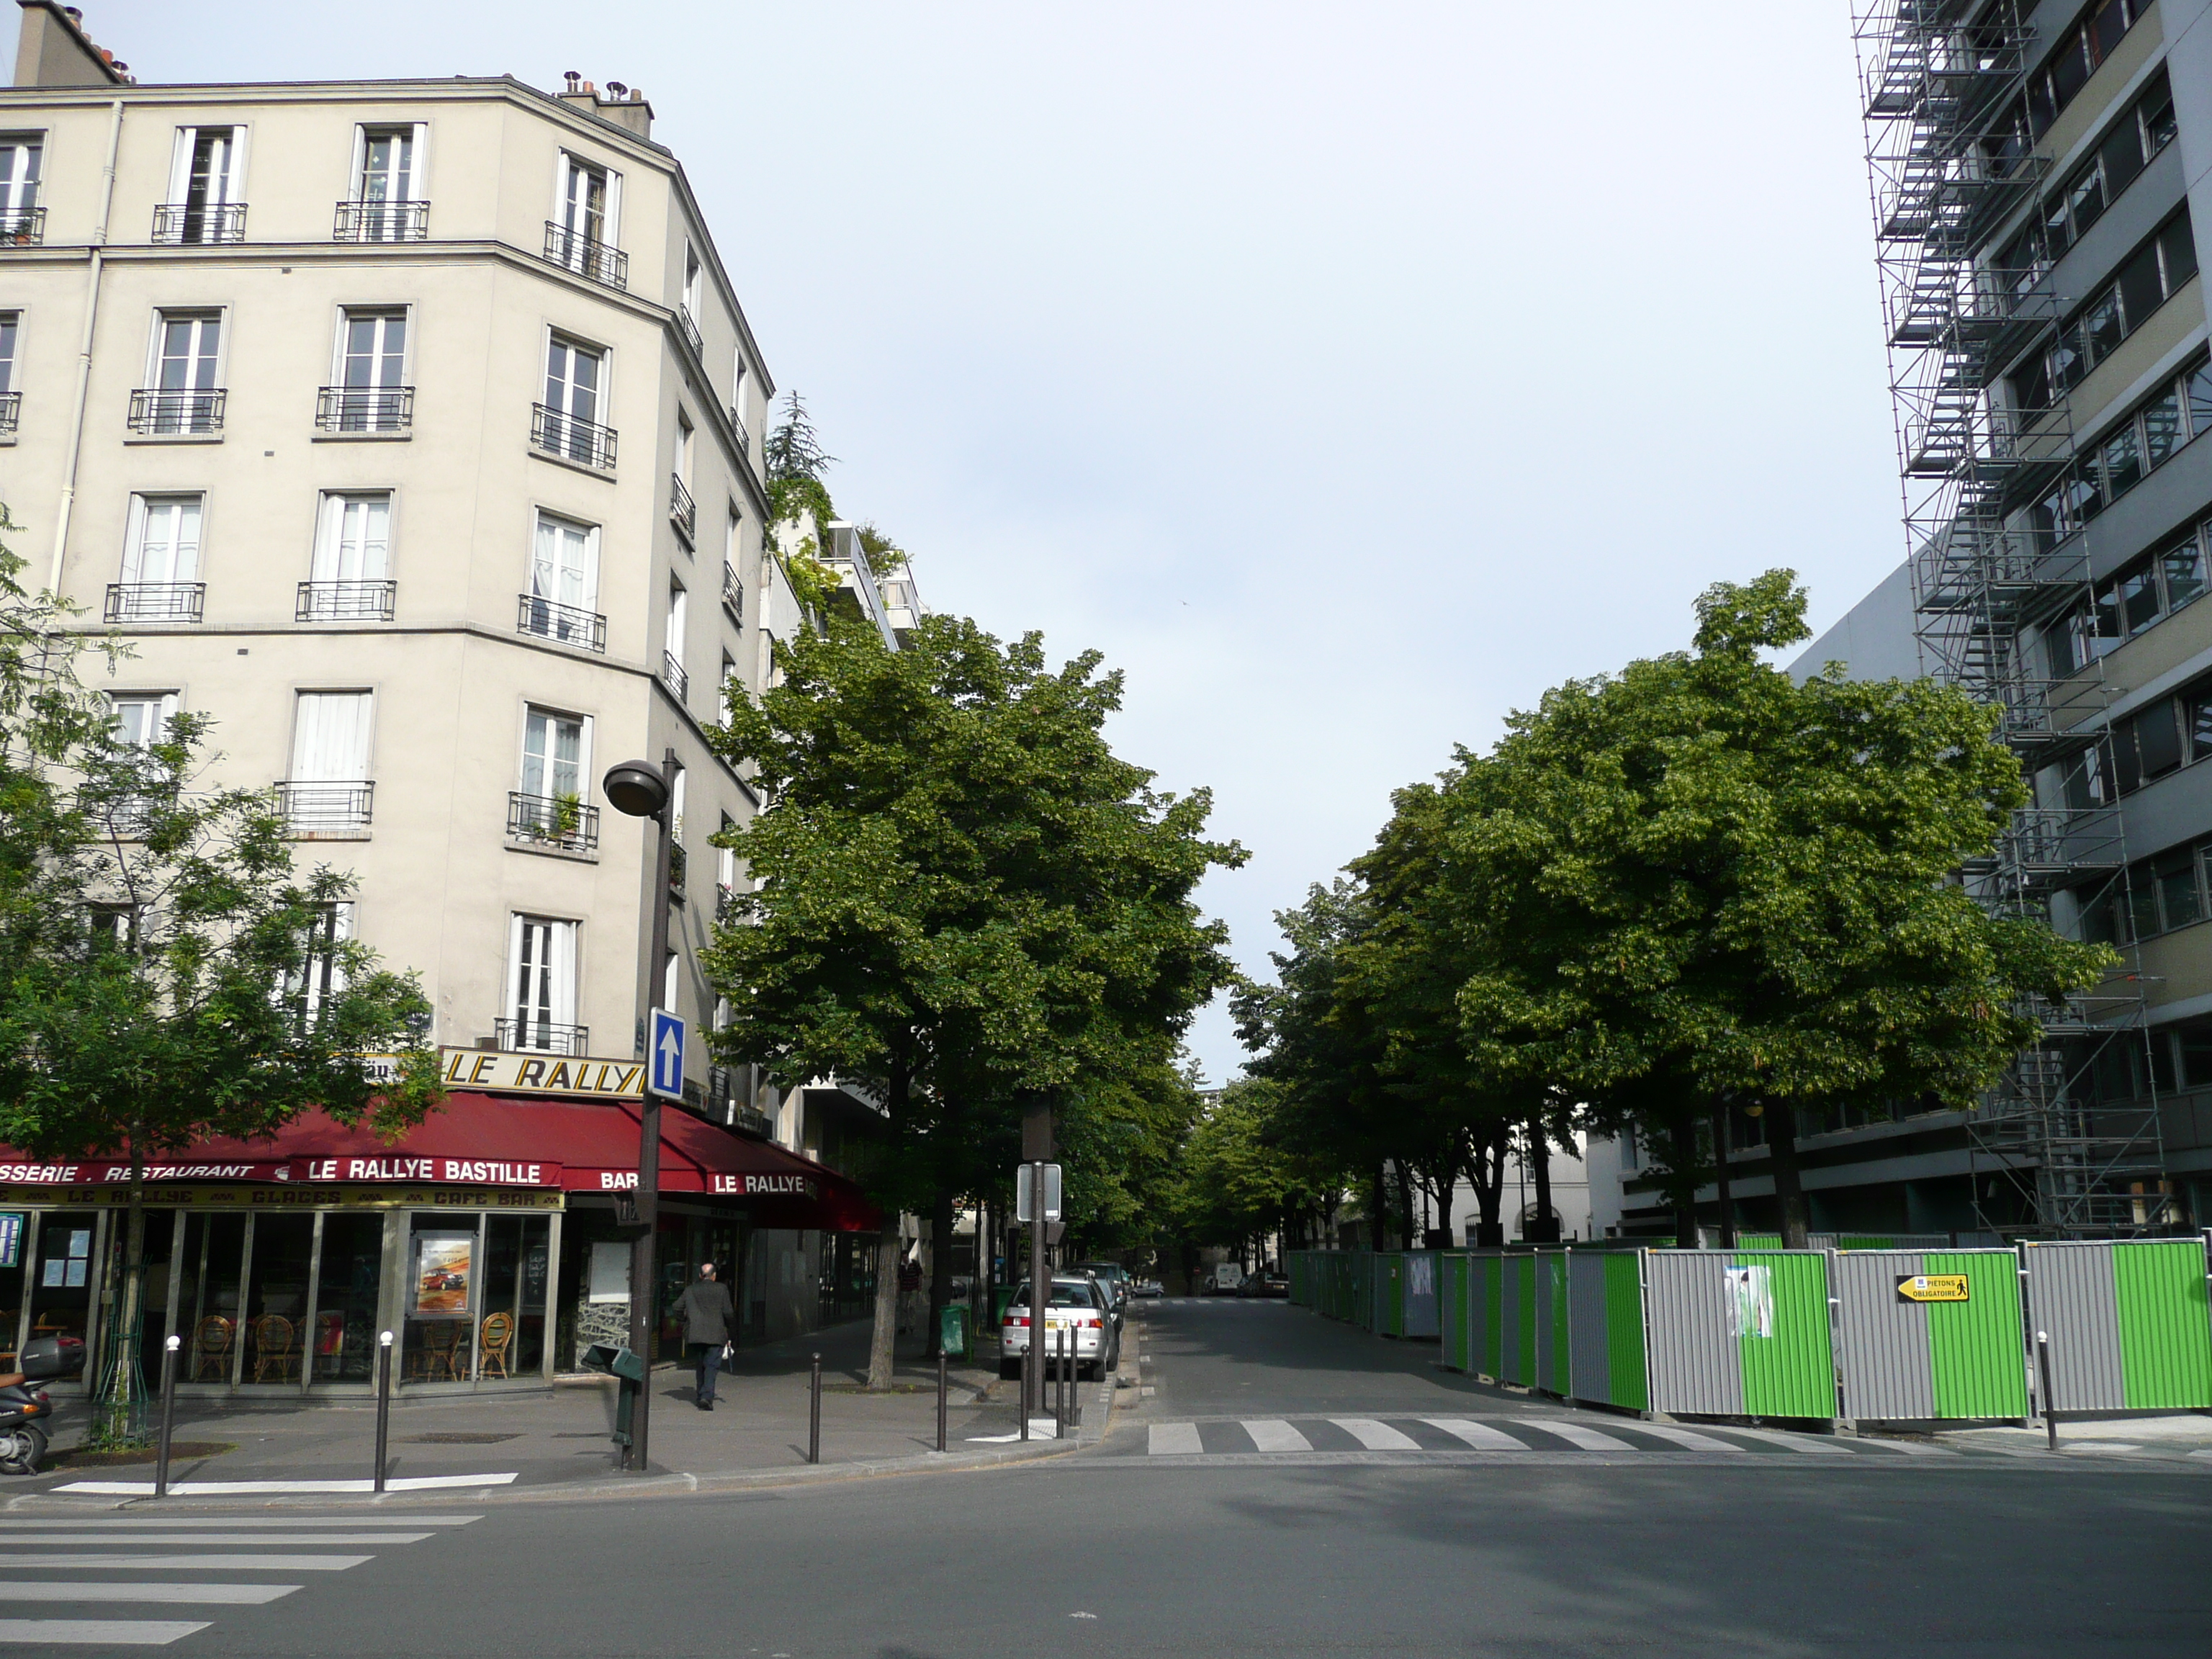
point(442, 1264)
point(1751, 1301)
point(11, 1239)
point(610, 1280)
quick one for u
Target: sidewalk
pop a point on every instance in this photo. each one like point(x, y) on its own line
point(756, 1433)
point(2177, 1434)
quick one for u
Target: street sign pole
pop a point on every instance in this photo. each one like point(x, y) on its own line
point(1040, 1293)
point(643, 1273)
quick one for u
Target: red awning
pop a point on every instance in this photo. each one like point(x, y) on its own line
point(501, 1140)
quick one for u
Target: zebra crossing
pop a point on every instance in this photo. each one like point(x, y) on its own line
point(1533, 1437)
point(87, 1571)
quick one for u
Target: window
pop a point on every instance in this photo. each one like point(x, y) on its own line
point(2147, 437)
point(682, 512)
point(387, 204)
point(11, 400)
point(349, 578)
point(322, 972)
point(553, 763)
point(723, 684)
point(2150, 277)
point(562, 602)
point(568, 422)
point(586, 212)
point(205, 178)
point(161, 562)
point(2081, 48)
point(142, 718)
point(329, 787)
point(113, 927)
point(22, 218)
point(541, 988)
point(673, 640)
point(726, 861)
point(370, 393)
point(184, 391)
point(738, 399)
point(2135, 139)
point(688, 311)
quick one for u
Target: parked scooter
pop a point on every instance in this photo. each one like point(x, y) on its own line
point(24, 1407)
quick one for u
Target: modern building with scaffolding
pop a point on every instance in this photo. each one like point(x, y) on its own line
point(2038, 172)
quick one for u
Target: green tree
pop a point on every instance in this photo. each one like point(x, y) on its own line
point(961, 895)
point(1701, 874)
point(164, 976)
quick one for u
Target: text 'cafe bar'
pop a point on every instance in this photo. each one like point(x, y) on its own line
point(486, 1239)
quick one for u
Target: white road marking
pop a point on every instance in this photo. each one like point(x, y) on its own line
point(1686, 1438)
point(171, 1539)
point(1269, 1435)
point(221, 1563)
point(97, 1633)
point(1480, 1436)
point(1576, 1435)
point(1166, 1439)
point(246, 1521)
point(1909, 1448)
point(1376, 1437)
point(244, 1488)
point(231, 1594)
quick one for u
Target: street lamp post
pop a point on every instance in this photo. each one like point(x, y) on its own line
point(641, 790)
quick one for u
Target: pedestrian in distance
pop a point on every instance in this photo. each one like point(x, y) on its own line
point(707, 1314)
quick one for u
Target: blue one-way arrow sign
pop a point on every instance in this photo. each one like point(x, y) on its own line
point(665, 1072)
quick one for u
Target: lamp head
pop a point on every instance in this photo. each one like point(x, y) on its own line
point(636, 787)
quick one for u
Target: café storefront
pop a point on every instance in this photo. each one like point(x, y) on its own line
point(487, 1240)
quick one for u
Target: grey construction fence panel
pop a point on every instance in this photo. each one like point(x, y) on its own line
point(1901, 1360)
point(1423, 1317)
point(2072, 1299)
point(1694, 1367)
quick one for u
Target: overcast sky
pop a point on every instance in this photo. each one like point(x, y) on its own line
point(1346, 373)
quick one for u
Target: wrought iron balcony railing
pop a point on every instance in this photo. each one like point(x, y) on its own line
point(744, 438)
point(734, 596)
point(586, 256)
point(564, 623)
point(672, 670)
point(561, 820)
point(22, 227)
point(584, 442)
point(11, 412)
point(345, 601)
point(692, 337)
point(365, 408)
point(382, 221)
point(159, 412)
point(318, 805)
point(682, 511)
point(170, 602)
point(221, 221)
point(530, 1036)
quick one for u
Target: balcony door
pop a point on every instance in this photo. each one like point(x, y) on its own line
point(353, 542)
point(162, 546)
point(587, 206)
point(330, 738)
point(20, 160)
point(541, 985)
point(554, 765)
point(564, 572)
point(204, 182)
point(387, 166)
point(372, 371)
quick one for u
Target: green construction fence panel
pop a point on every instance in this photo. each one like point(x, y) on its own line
point(2127, 1323)
point(1552, 1358)
point(1928, 1335)
point(1605, 1359)
point(1486, 1312)
point(1455, 1312)
point(1389, 1294)
point(1739, 1332)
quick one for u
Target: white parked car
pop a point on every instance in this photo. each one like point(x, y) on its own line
point(1076, 1305)
point(1226, 1278)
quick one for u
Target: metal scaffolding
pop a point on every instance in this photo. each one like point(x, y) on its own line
point(1943, 84)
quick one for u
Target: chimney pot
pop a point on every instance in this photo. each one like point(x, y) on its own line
point(73, 14)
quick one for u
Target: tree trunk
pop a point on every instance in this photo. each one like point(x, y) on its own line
point(1489, 1189)
point(984, 1281)
point(1682, 1158)
point(1406, 1204)
point(940, 1270)
point(118, 1419)
point(1788, 1189)
point(1378, 1209)
point(882, 1344)
point(1544, 1227)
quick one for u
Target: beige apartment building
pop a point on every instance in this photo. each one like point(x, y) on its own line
point(411, 432)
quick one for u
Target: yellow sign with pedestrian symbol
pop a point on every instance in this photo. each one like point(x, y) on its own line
point(1932, 1287)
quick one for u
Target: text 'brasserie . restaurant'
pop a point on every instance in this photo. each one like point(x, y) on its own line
point(486, 1239)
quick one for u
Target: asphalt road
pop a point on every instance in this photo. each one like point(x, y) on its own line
point(1123, 1553)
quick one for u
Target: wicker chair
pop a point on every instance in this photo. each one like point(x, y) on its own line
point(211, 1340)
point(497, 1337)
point(272, 1348)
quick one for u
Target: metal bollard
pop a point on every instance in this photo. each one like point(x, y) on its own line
point(941, 1397)
point(1029, 1357)
point(383, 1402)
point(2049, 1410)
point(169, 1350)
point(814, 1416)
point(1059, 1387)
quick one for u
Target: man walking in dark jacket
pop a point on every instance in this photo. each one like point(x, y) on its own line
point(707, 1314)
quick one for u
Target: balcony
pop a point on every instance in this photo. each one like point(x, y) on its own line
point(320, 808)
point(587, 256)
point(682, 512)
point(345, 601)
point(381, 222)
point(734, 596)
point(11, 411)
point(541, 1036)
point(384, 410)
point(563, 624)
point(179, 223)
point(679, 866)
point(690, 326)
point(744, 438)
point(560, 821)
point(158, 413)
point(22, 227)
point(160, 602)
point(672, 674)
point(582, 441)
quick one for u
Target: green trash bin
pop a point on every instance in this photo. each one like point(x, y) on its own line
point(952, 1330)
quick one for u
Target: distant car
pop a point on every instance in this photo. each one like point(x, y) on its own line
point(1148, 1287)
point(1077, 1304)
point(1112, 1274)
point(1226, 1277)
point(1265, 1284)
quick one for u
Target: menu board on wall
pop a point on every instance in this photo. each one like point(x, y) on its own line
point(443, 1262)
